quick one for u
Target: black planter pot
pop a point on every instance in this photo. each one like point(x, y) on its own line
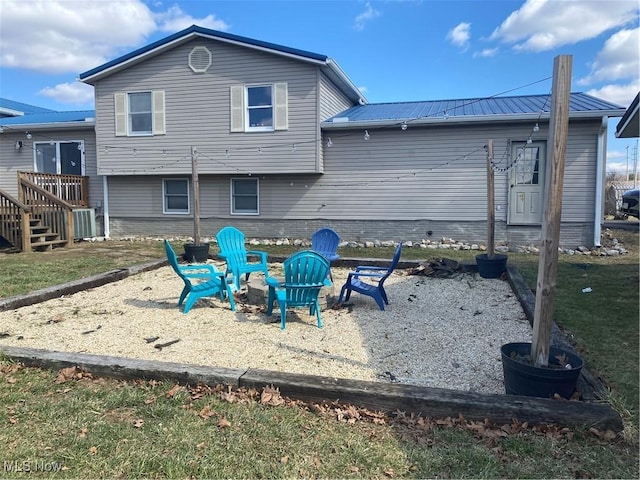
point(524, 379)
point(196, 253)
point(491, 267)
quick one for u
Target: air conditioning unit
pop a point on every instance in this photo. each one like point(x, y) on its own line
point(84, 223)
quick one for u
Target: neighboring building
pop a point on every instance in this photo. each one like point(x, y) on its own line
point(285, 143)
point(629, 124)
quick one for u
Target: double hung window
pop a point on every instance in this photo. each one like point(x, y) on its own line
point(244, 196)
point(139, 113)
point(175, 193)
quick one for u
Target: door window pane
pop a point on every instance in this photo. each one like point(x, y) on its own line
point(46, 158)
point(527, 166)
point(70, 158)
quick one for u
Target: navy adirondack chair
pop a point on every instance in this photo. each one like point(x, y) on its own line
point(325, 241)
point(233, 251)
point(370, 281)
point(202, 280)
point(305, 273)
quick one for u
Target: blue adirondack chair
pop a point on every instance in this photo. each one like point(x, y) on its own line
point(325, 241)
point(209, 281)
point(370, 281)
point(305, 273)
point(233, 251)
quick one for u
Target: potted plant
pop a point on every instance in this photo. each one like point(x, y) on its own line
point(491, 264)
point(196, 252)
point(537, 368)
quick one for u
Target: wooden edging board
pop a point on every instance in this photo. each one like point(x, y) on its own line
point(432, 402)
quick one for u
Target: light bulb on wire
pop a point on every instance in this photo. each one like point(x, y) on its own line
point(366, 135)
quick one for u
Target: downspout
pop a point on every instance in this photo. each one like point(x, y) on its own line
point(105, 205)
point(601, 160)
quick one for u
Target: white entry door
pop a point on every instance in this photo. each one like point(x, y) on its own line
point(526, 182)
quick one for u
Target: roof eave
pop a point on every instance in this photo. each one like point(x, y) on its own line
point(338, 76)
point(46, 126)
point(466, 119)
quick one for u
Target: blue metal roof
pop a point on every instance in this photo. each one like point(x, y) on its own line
point(206, 32)
point(23, 108)
point(51, 117)
point(466, 109)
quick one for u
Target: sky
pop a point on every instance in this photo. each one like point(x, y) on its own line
point(393, 50)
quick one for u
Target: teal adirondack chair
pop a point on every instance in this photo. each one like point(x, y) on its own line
point(209, 281)
point(305, 273)
point(233, 251)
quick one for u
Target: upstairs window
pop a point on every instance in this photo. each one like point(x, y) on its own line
point(139, 113)
point(244, 196)
point(259, 108)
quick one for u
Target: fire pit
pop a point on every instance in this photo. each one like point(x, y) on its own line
point(257, 293)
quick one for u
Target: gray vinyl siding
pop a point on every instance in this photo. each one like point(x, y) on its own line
point(12, 161)
point(332, 100)
point(197, 114)
point(397, 185)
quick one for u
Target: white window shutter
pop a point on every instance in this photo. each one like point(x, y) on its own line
point(280, 111)
point(237, 108)
point(158, 112)
point(120, 101)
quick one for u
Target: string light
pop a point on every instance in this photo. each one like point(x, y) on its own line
point(226, 153)
point(28, 135)
point(366, 135)
point(329, 142)
point(404, 126)
point(536, 127)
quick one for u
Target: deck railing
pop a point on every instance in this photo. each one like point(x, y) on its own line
point(73, 189)
point(15, 218)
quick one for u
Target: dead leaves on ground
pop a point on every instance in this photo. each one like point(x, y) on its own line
point(413, 427)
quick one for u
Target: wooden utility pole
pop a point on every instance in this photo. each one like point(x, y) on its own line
point(491, 212)
point(196, 196)
point(550, 235)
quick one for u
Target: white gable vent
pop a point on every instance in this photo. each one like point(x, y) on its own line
point(200, 59)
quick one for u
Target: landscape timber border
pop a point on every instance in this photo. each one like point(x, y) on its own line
point(426, 401)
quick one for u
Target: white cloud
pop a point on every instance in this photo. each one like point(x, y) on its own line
point(174, 20)
point(619, 58)
point(541, 25)
point(76, 93)
point(361, 19)
point(622, 95)
point(71, 36)
point(460, 35)
point(486, 53)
